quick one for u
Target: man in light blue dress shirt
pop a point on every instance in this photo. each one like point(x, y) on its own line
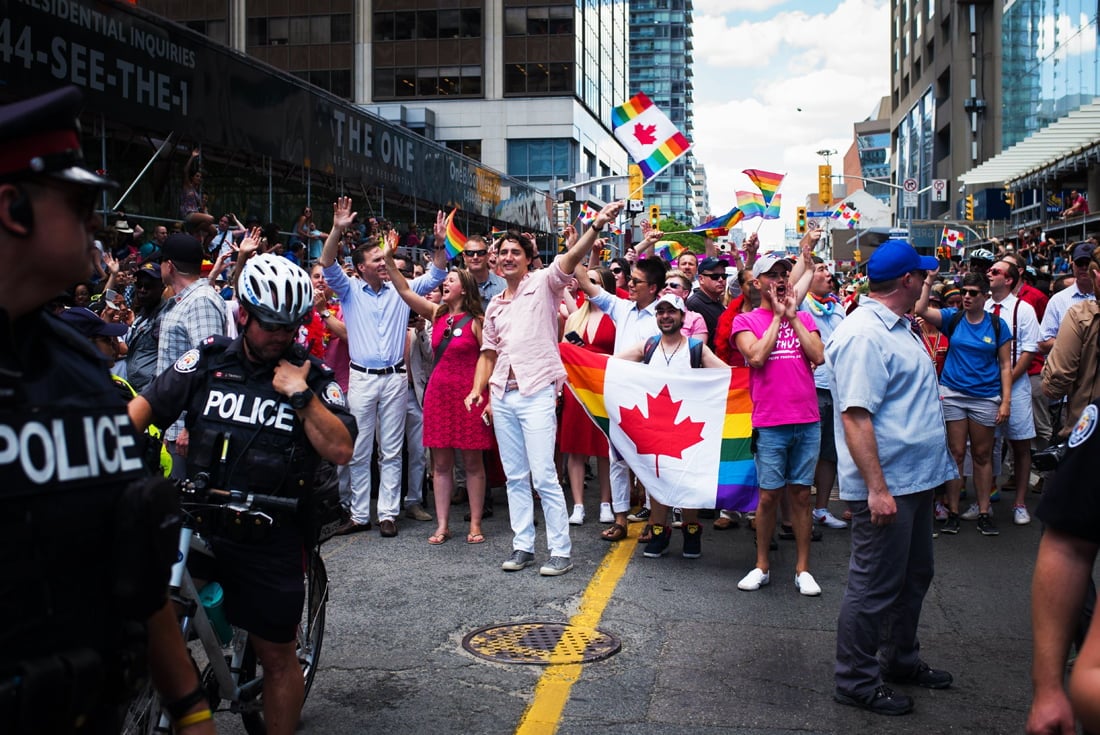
point(377, 320)
point(891, 453)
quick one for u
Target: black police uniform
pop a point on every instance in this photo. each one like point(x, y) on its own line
point(1071, 498)
point(68, 640)
point(230, 399)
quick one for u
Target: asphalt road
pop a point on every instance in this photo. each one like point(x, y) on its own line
point(698, 655)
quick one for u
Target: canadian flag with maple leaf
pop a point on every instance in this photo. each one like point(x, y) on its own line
point(652, 140)
point(685, 434)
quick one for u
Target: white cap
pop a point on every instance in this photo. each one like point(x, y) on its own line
point(671, 298)
point(766, 263)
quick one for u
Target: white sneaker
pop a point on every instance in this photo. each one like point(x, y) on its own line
point(806, 584)
point(577, 518)
point(606, 515)
point(823, 517)
point(754, 580)
point(1020, 516)
point(941, 511)
point(971, 513)
point(677, 518)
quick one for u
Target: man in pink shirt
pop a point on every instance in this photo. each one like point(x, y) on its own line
point(781, 345)
point(521, 365)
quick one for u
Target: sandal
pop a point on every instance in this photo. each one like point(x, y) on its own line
point(647, 534)
point(614, 532)
point(475, 538)
point(438, 538)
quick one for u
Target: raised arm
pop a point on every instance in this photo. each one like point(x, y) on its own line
point(416, 302)
point(571, 258)
point(342, 217)
point(439, 257)
point(922, 309)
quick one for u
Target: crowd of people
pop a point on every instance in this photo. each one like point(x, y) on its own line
point(265, 362)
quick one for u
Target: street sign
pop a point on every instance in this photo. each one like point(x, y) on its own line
point(909, 193)
point(939, 190)
point(826, 213)
point(635, 205)
point(909, 185)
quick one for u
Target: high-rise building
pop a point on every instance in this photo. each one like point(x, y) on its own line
point(867, 160)
point(700, 195)
point(523, 87)
point(661, 61)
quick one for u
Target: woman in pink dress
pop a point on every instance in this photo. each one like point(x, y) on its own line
point(448, 426)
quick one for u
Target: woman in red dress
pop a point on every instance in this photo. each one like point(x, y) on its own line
point(448, 426)
point(579, 438)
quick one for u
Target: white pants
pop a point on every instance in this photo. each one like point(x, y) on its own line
point(620, 483)
point(526, 429)
point(378, 404)
point(414, 449)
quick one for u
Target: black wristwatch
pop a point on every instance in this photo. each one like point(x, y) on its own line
point(300, 399)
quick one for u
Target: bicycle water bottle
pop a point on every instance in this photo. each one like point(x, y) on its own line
point(211, 598)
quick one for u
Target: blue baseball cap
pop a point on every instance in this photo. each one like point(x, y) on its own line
point(895, 258)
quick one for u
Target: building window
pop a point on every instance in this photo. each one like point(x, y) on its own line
point(542, 159)
point(552, 20)
point(426, 25)
point(427, 81)
point(538, 78)
point(468, 148)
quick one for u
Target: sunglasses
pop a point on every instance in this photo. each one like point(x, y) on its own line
point(639, 281)
point(270, 327)
point(675, 285)
point(997, 272)
point(475, 253)
point(616, 271)
point(714, 276)
point(972, 292)
point(447, 332)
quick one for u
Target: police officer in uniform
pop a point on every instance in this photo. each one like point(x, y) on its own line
point(83, 587)
point(1070, 512)
point(262, 414)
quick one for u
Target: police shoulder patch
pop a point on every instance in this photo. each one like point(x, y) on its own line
point(187, 362)
point(334, 395)
point(1084, 427)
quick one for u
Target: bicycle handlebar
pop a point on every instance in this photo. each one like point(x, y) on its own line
point(251, 501)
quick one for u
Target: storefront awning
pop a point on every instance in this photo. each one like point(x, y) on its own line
point(1072, 135)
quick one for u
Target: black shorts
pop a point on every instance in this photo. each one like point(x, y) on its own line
point(264, 583)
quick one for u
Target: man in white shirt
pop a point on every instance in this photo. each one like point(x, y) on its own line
point(1020, 428)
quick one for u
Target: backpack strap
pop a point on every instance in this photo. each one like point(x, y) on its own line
point(695, 347)
point(447, 338)
point(650, 348)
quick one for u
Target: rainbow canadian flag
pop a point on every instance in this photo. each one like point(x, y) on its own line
point(685, 434)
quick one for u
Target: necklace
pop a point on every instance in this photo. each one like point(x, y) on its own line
point(668, 357)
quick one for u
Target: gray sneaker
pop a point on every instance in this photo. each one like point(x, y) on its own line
point(518, 560)
point(417, 513)
point(556, 566)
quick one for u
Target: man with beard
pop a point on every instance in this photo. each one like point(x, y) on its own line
point(143, 338)
point(262, 414)
point(672, 350)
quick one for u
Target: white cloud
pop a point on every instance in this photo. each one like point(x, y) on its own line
point(770, 93)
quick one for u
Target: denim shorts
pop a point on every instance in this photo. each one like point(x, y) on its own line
point(787, 455)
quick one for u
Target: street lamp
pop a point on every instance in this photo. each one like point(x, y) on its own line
point(825, 153)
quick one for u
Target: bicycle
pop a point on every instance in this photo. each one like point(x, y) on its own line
point(230, 672)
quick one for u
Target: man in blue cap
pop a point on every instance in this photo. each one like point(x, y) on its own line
point(75, 499)
point(891, 453)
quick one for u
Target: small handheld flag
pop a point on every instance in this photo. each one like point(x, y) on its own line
point(455, 241)
point(648, 135)
point(767, 182)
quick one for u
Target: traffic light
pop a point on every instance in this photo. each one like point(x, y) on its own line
point(858, 256)
point(635, 180)
point(1010, 199)
point(800, 221)
point(968, 207)
point(825, 184)
point(654, 215)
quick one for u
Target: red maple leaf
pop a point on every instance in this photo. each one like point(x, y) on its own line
point(644, 133)
point(660, 433)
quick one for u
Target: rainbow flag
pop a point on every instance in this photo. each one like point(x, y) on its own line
point(772, 210)
point(648, 135)
point(722, 222)
point(951, 238)
point(587, 214)
point(848, 214)
point(751, 204)
point(686, 434)
point(496, 232)
point(670, 250)
point(767, 182)
point(454, 240)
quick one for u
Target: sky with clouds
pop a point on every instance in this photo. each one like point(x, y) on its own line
point(778, 80)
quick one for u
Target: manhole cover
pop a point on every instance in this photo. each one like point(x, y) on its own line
point(541, 643)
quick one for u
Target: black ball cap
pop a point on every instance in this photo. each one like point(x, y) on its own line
point(41, 136)
point(90, 324)
point(183, 249)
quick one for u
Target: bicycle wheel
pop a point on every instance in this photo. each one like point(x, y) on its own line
point(143, 714)
point(311, 632)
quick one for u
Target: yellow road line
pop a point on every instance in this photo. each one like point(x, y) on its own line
point(552, 691)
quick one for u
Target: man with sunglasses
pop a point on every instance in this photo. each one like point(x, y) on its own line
point(195, 312)
point(76, 639)
point(1081, 290)
point(476, 257)
point(143, 337)
point(707, 299)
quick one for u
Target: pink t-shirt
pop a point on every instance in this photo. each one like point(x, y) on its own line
point(783, 390)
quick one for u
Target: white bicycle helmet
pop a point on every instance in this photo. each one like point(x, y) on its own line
point(980, 254)
point(275, 290)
